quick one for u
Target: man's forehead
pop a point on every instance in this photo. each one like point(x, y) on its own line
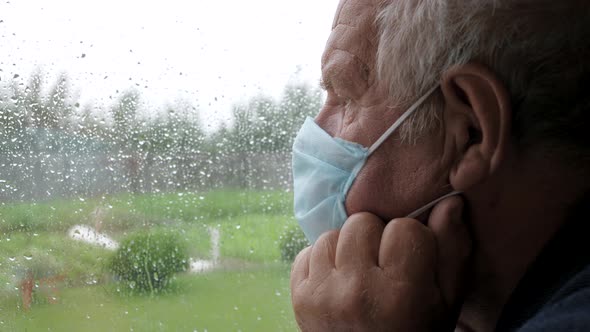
point(354, 31)
point(356, 12)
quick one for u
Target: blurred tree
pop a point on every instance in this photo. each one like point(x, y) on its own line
point(124, 115)
point(59, 105)
point(263, 125)
point(88, 122)
point(125, 134)
point(299, 101)
point(126, 150)
point(31, 100)
point(253, 125)
point(12, 118)
point(185, 136)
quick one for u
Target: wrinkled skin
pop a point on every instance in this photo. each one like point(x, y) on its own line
point(369, 276)
point(364, 277)
point(373, 276)
point(397, 178)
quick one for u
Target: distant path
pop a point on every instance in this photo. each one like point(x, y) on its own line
point(89, 235)
point(199, 265)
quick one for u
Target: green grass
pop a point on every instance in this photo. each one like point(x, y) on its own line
point(127, 211)
point(49, 254)
point(33, 237)
point(250, 300)
point(253, 237)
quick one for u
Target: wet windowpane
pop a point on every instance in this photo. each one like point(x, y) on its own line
point(145, 155)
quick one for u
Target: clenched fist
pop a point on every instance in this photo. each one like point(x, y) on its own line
point(372, 276)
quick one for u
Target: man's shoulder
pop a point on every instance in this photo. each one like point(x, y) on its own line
point(567, 310)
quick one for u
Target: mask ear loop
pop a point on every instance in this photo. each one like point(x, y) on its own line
point(388, 133)
point(400, 120)
point(425, 208)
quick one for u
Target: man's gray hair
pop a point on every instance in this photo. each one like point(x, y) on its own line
point(540, 49)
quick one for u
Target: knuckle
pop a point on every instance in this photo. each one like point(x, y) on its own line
point(327, 243)
point(300, 256)
point(410, 228)
point(365, 220)
point(362, 225)
point(412, 231)
point(328, 238)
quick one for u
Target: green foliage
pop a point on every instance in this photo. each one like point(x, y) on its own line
point(47, 254)
point(147, 262)
point(125, 115)
point(292, 242)
point(266, 125)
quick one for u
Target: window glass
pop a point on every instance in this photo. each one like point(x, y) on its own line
point(145, 161)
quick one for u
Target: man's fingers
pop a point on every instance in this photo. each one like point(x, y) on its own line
point(407, 251)
point(453, 246)
point(321, 261)
point(358, 245)
point(300, 267)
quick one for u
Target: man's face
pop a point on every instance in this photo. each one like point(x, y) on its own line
point(398, 177)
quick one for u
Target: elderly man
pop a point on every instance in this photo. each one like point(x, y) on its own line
point(481, 103)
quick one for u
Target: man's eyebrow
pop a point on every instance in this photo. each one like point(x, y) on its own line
point(325, 83)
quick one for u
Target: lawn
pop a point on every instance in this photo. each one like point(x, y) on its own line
point(249, 300)
point(248, 293)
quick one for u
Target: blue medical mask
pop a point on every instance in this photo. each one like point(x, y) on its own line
point(324, 168)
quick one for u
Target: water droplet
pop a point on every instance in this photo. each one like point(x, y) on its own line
point(12, 259)
point(238, 226)
point(28, 257)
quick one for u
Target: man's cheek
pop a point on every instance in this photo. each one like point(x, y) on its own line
point(368, 194)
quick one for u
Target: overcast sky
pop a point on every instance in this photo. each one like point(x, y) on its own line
point(213, 53)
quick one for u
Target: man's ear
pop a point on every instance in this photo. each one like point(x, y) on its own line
point(477, 119)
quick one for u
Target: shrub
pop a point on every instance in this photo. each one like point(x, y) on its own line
point(292, 241)
point(147, 262)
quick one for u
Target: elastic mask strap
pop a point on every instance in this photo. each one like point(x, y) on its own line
point(401, 120)
point(423, 209)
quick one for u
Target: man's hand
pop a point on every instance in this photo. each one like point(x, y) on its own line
point(369, 276)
